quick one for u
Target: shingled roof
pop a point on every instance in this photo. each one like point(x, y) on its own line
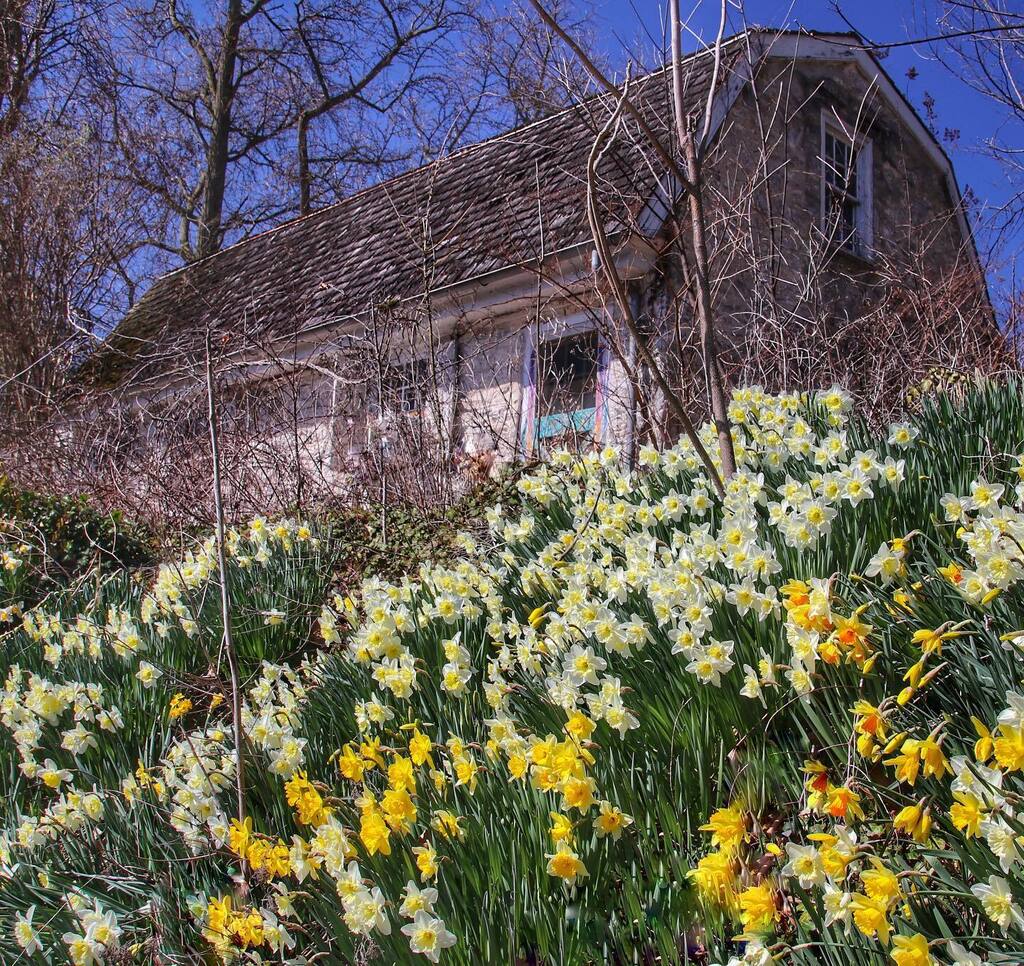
point(493, 205)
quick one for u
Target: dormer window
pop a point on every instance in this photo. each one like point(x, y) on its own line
point(846, 216)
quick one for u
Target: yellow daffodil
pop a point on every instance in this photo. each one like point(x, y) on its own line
point(728, 828)
point(565, 864)
point(758, 907)
point(911, 951)
point(915, 821)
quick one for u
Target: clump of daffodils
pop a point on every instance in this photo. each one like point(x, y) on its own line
point(785, 719)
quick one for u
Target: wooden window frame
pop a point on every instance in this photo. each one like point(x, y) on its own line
point(861, 241)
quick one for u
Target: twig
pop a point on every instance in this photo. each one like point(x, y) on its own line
point(615, 283)
point(702, 270)
point(225, 599)
point(598, 75)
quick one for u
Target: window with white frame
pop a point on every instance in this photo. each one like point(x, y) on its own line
point(846, 189)
point(567, 369)
point(362, 409)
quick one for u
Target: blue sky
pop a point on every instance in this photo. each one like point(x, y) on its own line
point(637, 25)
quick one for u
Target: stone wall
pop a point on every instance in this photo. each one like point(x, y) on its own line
point(783, 280)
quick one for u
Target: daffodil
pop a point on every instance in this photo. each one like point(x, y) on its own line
point(426, 862)
point(428, 936)
point(728, 828)
point(915, 821)
point(967, 813)
point(758, 907)
point(25, 934)
point(998, 903)
point(240, 836)
point(911, 951)
point(417, 900)
point(871, 918)
point(565, 864)
point(611, 821)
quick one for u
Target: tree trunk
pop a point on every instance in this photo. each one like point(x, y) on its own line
point(210, 232)
point(702, 274)
point(302, 148)
point(702, 269)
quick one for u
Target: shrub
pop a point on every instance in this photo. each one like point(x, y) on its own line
point(393, 541)
point(48, 541)
point(647, 725)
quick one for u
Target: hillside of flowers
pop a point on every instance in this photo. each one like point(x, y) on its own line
point(639, 723)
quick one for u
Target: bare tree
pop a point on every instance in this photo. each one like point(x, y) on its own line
point(522, 63)
point(368, 58)
point(64, 228)
point(983, 45)
point(192, 97)
point(208, 112)
point(689, 180)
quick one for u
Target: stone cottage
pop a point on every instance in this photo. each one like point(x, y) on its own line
point(466, 297)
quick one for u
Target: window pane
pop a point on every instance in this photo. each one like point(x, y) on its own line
point(409, 383)
point(842, 198)
point(568, 374)
point(840, 170)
